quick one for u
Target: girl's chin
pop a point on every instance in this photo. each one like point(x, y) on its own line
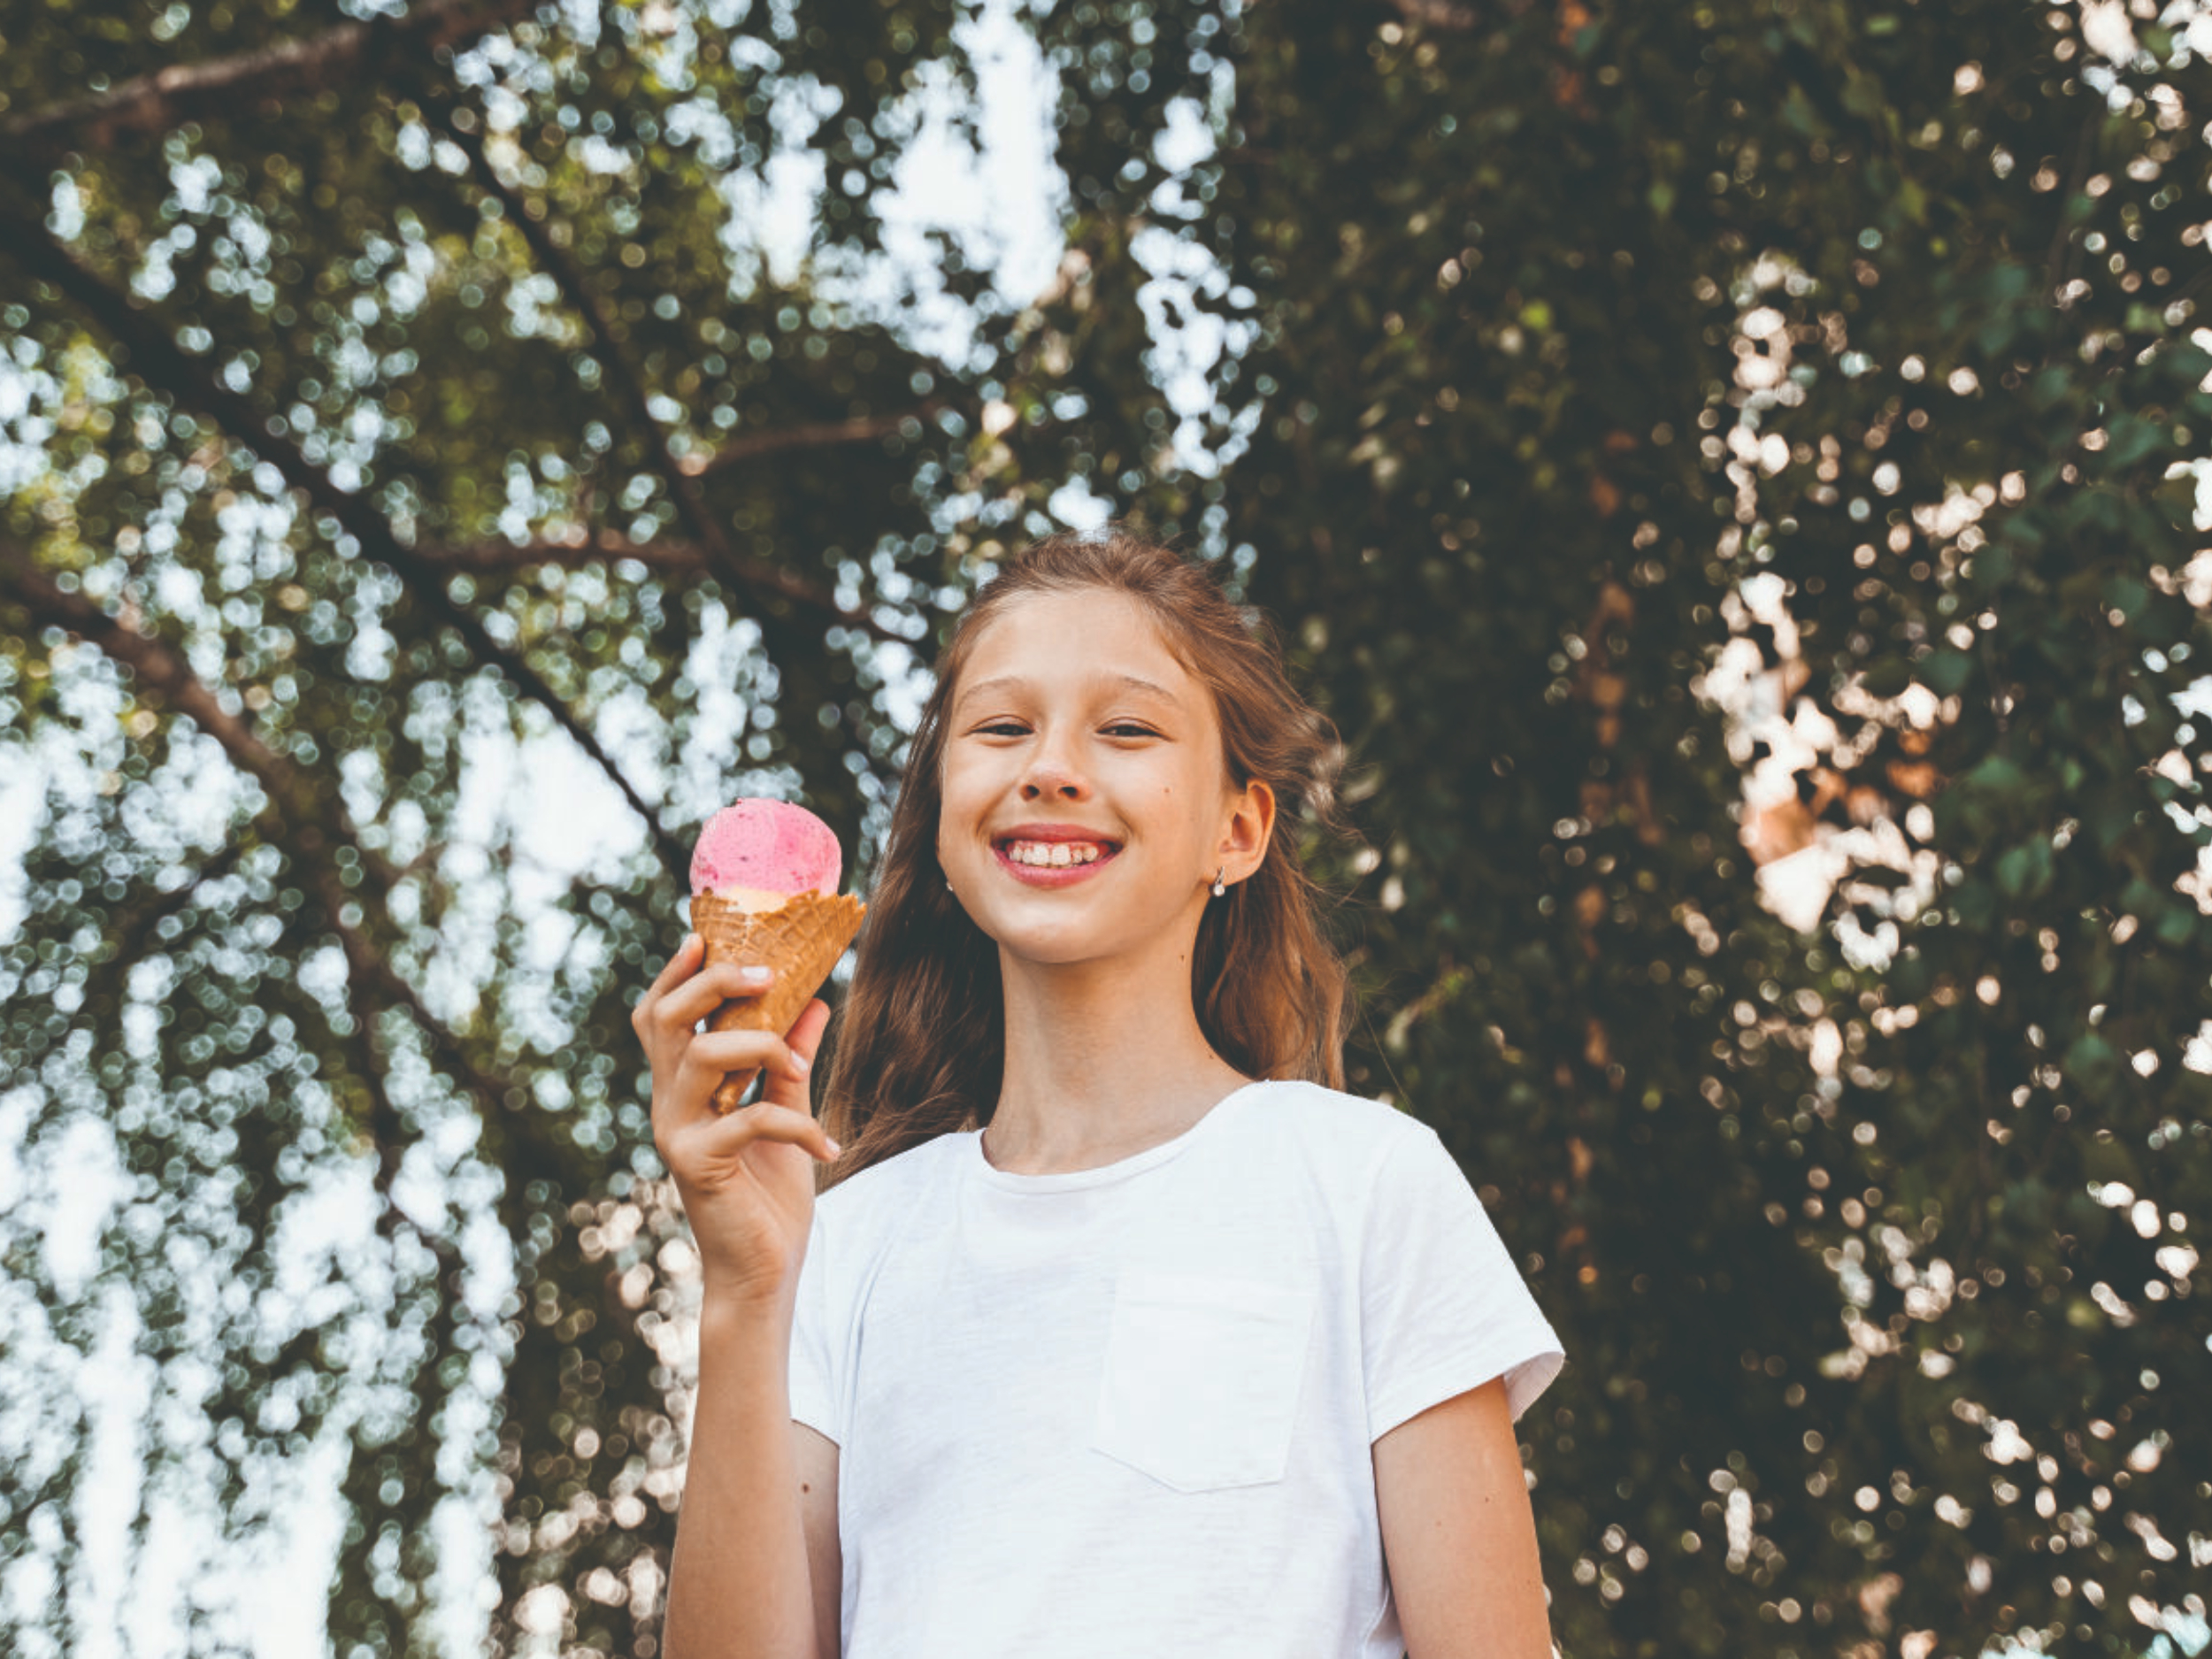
point(1109, 933)
point(1065, 954)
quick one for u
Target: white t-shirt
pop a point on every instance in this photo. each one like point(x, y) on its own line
point(1128, 1411)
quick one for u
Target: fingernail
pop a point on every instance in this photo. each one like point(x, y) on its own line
point(802, 1064)
point(835, 1149)
point(756, 976)
point(690, 940)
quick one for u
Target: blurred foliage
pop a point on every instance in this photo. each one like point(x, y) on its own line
point(1717, 464)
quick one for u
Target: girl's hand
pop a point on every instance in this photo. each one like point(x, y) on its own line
point(746, 1180)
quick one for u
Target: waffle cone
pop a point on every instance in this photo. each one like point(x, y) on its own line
point(801, 940)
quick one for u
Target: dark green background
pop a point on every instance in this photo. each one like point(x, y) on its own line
point(1852, 1291)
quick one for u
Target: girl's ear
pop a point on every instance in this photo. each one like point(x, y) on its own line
point(1251, 822)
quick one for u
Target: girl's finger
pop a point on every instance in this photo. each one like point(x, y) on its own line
point(702, 1063)
point(708, 989)
point(740, 1051)
point(805, 1035)
point(788, 1088)
point(703, 1067)
point(680, 967)
point(716, 1139)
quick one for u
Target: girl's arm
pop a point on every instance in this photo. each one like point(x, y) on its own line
point(826, 1556)
point(1458, 1535)
point(739, 1586)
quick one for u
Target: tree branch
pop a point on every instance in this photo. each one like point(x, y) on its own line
point(2064, 258)
point(666, 554)
point(155, 665)
point(138, 923)
point(1441, 14)
point(293, 820)
point(514, 1147)
point(149, 349)
point(387, 1133)
point(222, 87)
point(808, 435)
point(760, 575)
point(670, 557)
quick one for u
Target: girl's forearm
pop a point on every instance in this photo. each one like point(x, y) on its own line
point(738, 1587)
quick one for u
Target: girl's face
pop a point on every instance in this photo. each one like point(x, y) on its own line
point(1085, 805)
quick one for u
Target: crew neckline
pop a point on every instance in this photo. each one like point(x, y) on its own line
point(1099, 1175)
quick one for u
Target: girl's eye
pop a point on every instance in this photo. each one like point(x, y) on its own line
point(1004, 728)
point(1129, 728)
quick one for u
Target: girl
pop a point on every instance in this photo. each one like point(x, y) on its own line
point(1118, 1329)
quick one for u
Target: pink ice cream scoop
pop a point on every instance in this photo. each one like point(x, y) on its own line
point(763, 893)
point(758, 853)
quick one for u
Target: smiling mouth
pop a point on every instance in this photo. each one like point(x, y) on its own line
point(1055, 854)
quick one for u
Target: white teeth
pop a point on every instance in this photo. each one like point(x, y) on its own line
point(1053, 854)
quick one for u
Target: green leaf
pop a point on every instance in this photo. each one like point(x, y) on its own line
point(2025, 871)
point(1995, 776)
point(2091, 1061)
point(2131, 439)
point(1976, 902)
point(2127, 596)
point(2082, 589)
point(2177, 498)
point(2186, 362)
point(1912, 975)
point(1992, 568)
point(2106, 1159)
point(2049, 386)
point(2140, 897)
point(1946, 671)
point(1887, 676)
point(2110, 813)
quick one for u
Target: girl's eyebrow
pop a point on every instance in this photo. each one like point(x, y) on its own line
point(1014, 683)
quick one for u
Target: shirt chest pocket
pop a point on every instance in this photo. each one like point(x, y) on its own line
point(1202, 1379)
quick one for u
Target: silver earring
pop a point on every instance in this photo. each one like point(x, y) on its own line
point(1219, 888)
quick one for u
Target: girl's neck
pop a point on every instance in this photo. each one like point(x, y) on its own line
point(1103, 1060)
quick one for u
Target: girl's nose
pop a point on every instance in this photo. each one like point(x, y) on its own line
point(1056, 782)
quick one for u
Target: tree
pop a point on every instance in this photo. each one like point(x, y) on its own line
point(1575, 364)
point(389, 378)
point(1585, 326)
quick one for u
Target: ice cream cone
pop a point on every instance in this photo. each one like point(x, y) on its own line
point(801, 938)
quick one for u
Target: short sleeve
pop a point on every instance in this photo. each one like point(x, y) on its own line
point(1443, 1308)
point(813, 1384)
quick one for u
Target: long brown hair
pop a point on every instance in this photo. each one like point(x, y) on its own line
point(922, 1044)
